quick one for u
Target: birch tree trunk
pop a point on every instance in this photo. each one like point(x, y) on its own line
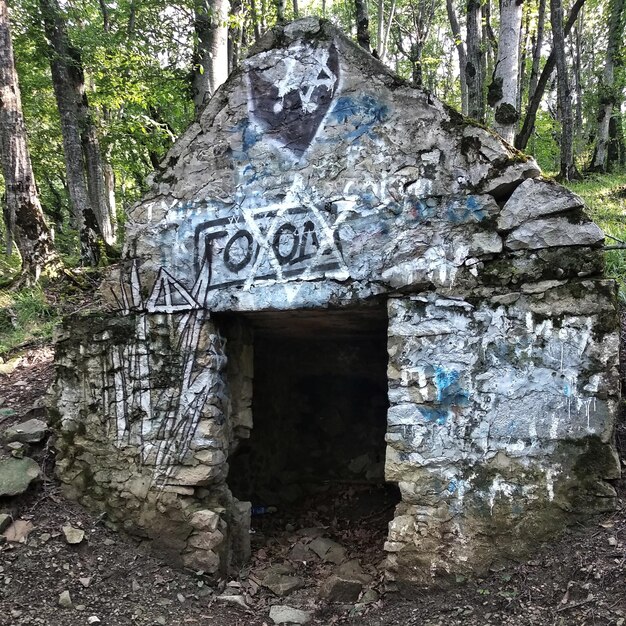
point(460, 49)
point(567, 166)
point(23, 215)
point(211, 54)
point(475, 60)
point(608, 97)
point(503, 89)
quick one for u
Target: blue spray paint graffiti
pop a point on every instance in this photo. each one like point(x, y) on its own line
point(364, 113)
point(449, 395)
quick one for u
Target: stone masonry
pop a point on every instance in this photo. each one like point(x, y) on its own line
point(315, 179)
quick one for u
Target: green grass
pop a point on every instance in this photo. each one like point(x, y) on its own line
point(605, 197)
point(25, 316)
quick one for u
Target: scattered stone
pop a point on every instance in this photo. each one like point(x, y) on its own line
point(300, 552)
point(94, 619)
point(17, 449)
point(181, 598)
point(279, 579)
point(346, 584)
point(10, 366)
point(161, 620)
point(73, 535)
point(85, 582)
point(238, 600)
point(369, 597)
point(282, 614)
point(32, 431)
point(5, 521)
point(18, 531)
point(16, 475)
point(65, 600)
point(135, 586)
point(45, 537)
point(80, 607)
point(328, 550)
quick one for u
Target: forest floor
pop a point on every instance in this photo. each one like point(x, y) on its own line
point(580, 579)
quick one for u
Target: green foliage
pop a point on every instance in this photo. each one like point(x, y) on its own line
point(605, 197)
point(544, 142)
point(25, 315)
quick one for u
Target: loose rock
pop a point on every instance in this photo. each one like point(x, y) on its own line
point(328, 550)
point(279, 580)
point(65, 600)
point(32, 431)
point(73, 535)
point(282, 614)
point(16, 475)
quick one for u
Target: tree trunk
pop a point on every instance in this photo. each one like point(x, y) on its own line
point(255, 20)
point(460, 49)
point(66, 69)
point(608, 97)
point(362, 24)
point(567, 167)
point(537, 46)
point(383, 53)
point(475, 59)
point(521, 141)
point(578, 53)
point(211, 55)
point(503, 89)
point(23, 215)
point(521, 72)
point(280, 10)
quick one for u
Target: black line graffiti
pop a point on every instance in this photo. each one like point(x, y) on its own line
point(161, 422)
point(264, 245)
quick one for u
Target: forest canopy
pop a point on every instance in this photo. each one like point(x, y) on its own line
point(106, 88)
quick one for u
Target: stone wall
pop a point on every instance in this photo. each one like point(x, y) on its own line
point(315, 179)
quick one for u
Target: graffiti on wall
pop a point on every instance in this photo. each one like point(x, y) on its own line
point(290, 98)
point(274, 243)
point(161, 419)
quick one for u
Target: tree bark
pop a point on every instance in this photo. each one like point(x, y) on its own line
point(23, 215)
point(523, 53)
point(503, 89)
point(67, 81)
point(475, 61)
point(537, 46)
point(362, 24)
point(568, 169)
point(521, 141)
point(578, 53)
point(607, 96)
point(460, 49)
point(211, 54)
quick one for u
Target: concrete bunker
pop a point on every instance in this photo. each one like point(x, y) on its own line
point(315, 189)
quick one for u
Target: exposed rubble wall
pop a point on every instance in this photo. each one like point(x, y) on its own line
point(315, 179)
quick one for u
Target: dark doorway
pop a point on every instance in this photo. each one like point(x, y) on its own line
point(319, 405)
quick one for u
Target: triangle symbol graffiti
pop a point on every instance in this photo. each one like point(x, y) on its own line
point(169, 295)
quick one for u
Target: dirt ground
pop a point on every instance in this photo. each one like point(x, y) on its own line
point(580, 579)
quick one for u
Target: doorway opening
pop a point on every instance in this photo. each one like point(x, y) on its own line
point(315, 454)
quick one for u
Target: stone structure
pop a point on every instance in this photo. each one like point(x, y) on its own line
point(319, 191)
